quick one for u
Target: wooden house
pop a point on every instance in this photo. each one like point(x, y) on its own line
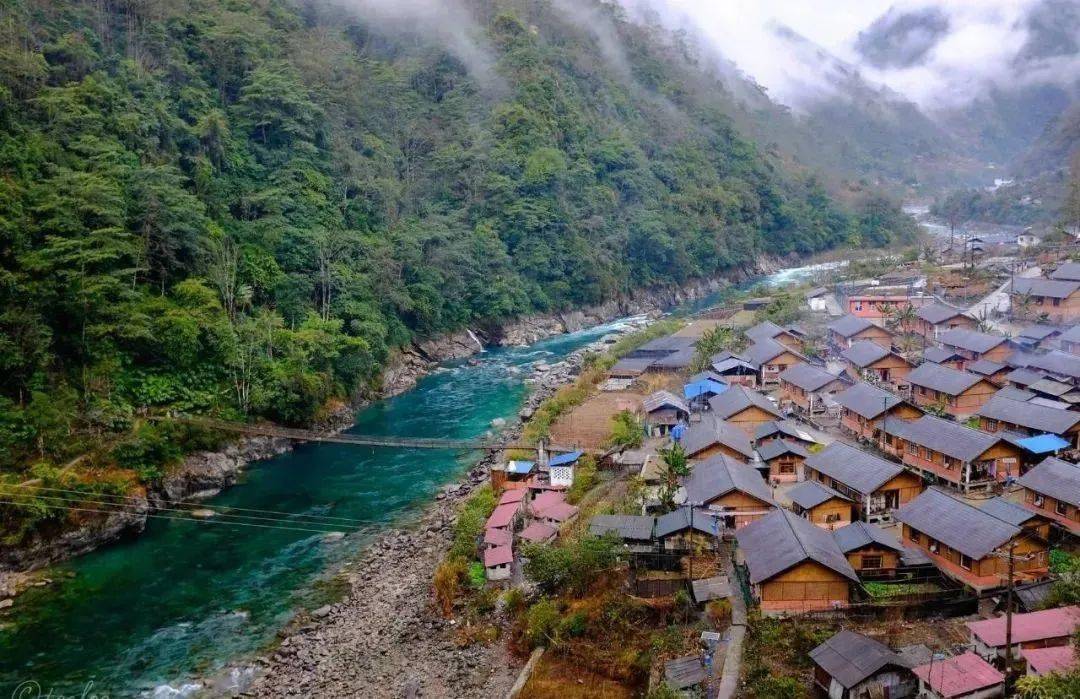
point(515, 473)
point(821, 505)
point(876, 364)
point(975, 345)
point(635, 531)
point(871, 551)
point(863, 407)
point(1047, 628)
point(944, 356)
point(959, 393)
point(793, 565)
point(770, 358)
point(1036, 523)
point(711, 436)
point(1070, 340)
point(1026, 418)
point(970, 545)
point(767, 330)
point(849, 329)
point(805, 386)
point(939, 317)
point(851, 666)
point(744, 407)
point(733, 369)
point(1056, 300)
point(952, 454)
point(784, 429)
point(732, 490)
point(663, 410)
point(784, 459)
point(686, 529)
point(881, 306)
point(965, 676)
point(994, 372)
point(876, 486)
point(1067, 271)
point(497, 562)
point(1052, 489)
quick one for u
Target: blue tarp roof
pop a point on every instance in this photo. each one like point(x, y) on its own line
point(678, 431)
point(563, 459)
point(1043, 443)
point(705, 386)
point(520, 466)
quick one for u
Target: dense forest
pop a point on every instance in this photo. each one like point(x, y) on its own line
point(243, 207)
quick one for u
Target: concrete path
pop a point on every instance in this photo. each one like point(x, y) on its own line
point(729, 681)
point(997, 301)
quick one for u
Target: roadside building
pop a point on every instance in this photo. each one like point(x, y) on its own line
point(733, 491)
point(975, 345)
point(711, 435)
point(1047, 628)
point(745, 408)
point(733, 369)
point(943, 356)
point(871, 551)
point(847, 330)
point(1070, 340)
point(635, 531)
point(1052, 489)
point(806, 387)
point(821, 505)
point(1067, 271)
point(952, 454)
point(970, 545)
point(994, 372)
point(784, 459)
point(794, 566)
point(863, 406)
point(497, 562)
point(852, 666)
point(1056, 300)
point(939, 317)
point(770, 358)
point(965, 676)
point(1027, 418)
point(959, 393)
point(876, 486)
point(663, 410)
point(876, 364)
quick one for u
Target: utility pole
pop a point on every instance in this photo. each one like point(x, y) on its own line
point(1009, 609)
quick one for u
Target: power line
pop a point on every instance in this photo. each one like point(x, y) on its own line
point(192, 504)
point(217, 513)
point(181, 519)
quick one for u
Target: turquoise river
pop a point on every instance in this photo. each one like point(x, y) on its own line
point(187, 597)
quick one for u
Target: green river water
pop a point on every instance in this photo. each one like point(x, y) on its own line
point(187, 598)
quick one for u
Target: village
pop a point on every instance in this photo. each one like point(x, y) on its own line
point(867, 488)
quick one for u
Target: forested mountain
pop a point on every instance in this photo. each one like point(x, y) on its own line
point(243, 207)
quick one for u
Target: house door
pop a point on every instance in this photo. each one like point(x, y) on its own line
point(892, 499)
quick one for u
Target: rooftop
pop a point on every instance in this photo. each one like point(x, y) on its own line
point(807, 376)
point(867, 400)
point(851, 658)
point(849, 325)
point(712, 430)
point(1030, 415)
point(778, 447)
point(781, 539)
point(970, 340)
point(1067, 271)
point(1060, 659)
point(985, 367)
point(858, 534)
point(787, 428)
point(720, 475)
point(737, 399)
point(763, 351)
point(633, 527)
point(538, 532)
point(956, 523)
point(664, 399)
point(498, 555)
point(944, 436)
point(810, 494)
point(1026, 628)
point(940, 355)
point(945, 379)
point(1056, 478)
point(959, 675)
point(1052, 288)
point(938, 312)
point(765, 330)
point(864, 353)
point(861, 471)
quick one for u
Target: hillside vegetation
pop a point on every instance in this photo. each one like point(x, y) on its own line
point(241, 208)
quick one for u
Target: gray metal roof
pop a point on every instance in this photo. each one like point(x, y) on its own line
point(851, 658)
point(1006, 510)
point(970, 340)
point(776, 447)
point(764, 350)
point(1071, 335)
point(1030, 415)
point(1055, 362)
point(858, 534)
point(1067, 271)
point(1024, 376)
point(949, 381)
point(631, 365)
point(1014, 393)
point(664, 399)
point(1038, 332)
point(765, 330)
point(938, 312)
point(720, 475)
point(955, 523)
point(807, 376)
point(867, 400)
point(857, 469)
point(1051, 387)
point(712, 430)
point(949, 438)
point(864, 353)
point(781, 539)
point(985, 367)
point(631, 527)
point(809, 494)
point(788, 428)
point(739, 398)
point(680, 359)
point(680, 520)
point(940, 355)
point(1052, 288)
point(849, 325)
point(1056, 478)
point(664, 345)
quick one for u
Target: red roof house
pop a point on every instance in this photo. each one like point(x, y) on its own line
point(497, 562)
point(538, 532)
point(1049, 627)
point(497, 537)
point(1043, 661)
point(545, 500)
point(961, 676)
point(503, 517)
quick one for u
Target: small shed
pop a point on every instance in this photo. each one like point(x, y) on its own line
point(820, 504)
point(561, 469)
point(497, 562)
point(965, 676)
point(1043, 661)
point(538, 533)
point(664, 410)
point(850, 665)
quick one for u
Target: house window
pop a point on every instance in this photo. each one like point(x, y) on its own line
point(912, 449)
point(932, 545)
point(832, 517)
point(1061, 507)
point(1057, 302)
point(965, 562)
point(990, 425)
point(1039, 500)
point(871, 561)
point(787, 468)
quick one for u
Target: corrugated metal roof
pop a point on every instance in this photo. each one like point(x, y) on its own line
point(777, 447)
point(631, 366)
point(1042, 625)
point(857, 469)
point(497, 556)
point(970, 340)
point(502, 516)
point(851, 658)
point(765, 330)
point(538, 532)
point(1071, 335)
point(737, 399)
point(858, 534)
point(864, 353)
point(1050, 387)
point(940, 355)
point(949, 438)
point(849, 325)
point(664, 399)
point(567, 458)
point(719, 475)
point(1056, 478)
point(955, 523)
point(680, 520)
point(938, 312)
point(1029, 415)
point(1006, 510)
point(985, 367)
point(632, 527)
point(959, 675)
point(763, 351)
point(810, 494)
point(1043, 443)
point(1067, 271)
point(1054, 362)
point(781, 540)
point(949, 381)
point(1038, 332)
point(712, 430)
point(1014, 393)
point(807, 376)
point(1051, 288)
point(867, 400)
point(789, 428)
point(1060, 659)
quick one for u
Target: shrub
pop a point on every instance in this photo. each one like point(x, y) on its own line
point(469, 524)
point(626, 430)
point(541, 623)
point(719, 611)
point(477, 576)
point(572, 566)
point(585, 479)
point(448, 579)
